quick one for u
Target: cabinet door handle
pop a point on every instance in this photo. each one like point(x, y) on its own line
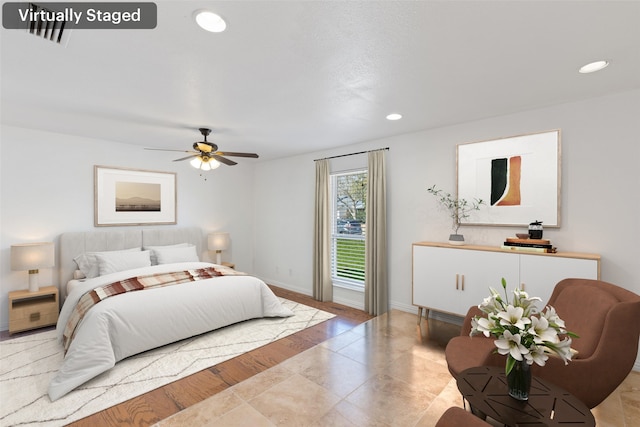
point(463, 282)
point(456, 282)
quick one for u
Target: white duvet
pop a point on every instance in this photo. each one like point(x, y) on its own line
point(131, 323)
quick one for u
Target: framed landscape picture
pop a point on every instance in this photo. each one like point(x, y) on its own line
point(518, 178)
point(133, 197)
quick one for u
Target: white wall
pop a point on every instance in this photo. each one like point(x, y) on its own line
point(46, 187)
point(599, 207)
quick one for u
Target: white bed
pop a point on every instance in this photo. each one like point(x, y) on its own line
point(130, 323)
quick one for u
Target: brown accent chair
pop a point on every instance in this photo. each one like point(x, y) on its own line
point(605, 316)
point(458, 417)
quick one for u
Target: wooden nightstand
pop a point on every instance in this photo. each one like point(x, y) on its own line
point(229, 264)
point(31, 310)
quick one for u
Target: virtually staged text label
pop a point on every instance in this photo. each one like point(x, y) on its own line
point(81, 15)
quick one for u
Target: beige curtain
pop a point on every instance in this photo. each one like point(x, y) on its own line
point(322, 285)
point(376, 295)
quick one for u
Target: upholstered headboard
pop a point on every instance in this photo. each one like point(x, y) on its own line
point(75, 243)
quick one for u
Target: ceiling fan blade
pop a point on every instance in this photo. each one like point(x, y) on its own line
point(223, 160)
point(162, 149)
point(185, 158)
point(232, 154)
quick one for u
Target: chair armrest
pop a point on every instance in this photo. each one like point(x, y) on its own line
point(613, 359)
point(471, 313)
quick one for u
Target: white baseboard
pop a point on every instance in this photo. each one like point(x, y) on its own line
point(287, 286)
point(349, 303)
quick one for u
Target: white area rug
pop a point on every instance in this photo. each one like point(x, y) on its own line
point(29, 363)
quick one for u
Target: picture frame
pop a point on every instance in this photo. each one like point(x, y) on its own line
point(133, 197)
point(518, 178)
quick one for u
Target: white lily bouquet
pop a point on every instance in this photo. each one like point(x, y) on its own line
point(522, 331)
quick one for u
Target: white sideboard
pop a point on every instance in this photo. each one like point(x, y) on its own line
point(450, 279)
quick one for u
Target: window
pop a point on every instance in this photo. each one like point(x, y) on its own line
point(349, 199)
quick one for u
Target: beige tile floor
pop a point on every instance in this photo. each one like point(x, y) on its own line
point(385, 372)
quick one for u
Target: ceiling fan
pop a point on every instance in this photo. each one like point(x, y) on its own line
point(206, 155)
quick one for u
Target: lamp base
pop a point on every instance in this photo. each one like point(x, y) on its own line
point(33, 281)
point(219, 257)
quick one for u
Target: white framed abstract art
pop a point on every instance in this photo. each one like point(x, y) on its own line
point(518, 177)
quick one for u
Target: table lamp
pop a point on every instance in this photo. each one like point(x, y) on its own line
point(32, 256)
point(218, 242)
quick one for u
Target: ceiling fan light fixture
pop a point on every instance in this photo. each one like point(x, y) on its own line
point(204, 163)
point(205, 166)
point(210, 21)
point(205, 154)
point(196, 162)
point(592, 67)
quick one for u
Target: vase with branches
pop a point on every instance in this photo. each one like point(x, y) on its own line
point(459, 210)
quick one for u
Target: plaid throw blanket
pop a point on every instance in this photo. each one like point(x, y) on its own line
point(93, 297)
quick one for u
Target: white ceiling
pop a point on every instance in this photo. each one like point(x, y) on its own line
point(289, 77)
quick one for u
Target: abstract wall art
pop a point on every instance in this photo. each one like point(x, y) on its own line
point(518, 177)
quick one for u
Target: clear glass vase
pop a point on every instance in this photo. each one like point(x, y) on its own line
point(519, 380)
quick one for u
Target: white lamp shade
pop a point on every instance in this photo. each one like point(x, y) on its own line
point(218, 241)
point(32, 256)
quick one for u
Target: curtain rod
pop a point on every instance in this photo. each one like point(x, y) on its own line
point(351, 154)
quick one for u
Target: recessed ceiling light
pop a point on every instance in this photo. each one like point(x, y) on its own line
point(210, 21)
point(394, 116)
point(593, 67)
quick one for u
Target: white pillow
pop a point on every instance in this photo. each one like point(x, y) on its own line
point(88, 264)
point(113, 262)
point(180, 254)
point(154, 259)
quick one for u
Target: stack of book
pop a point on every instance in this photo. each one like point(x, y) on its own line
point(528, 245)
